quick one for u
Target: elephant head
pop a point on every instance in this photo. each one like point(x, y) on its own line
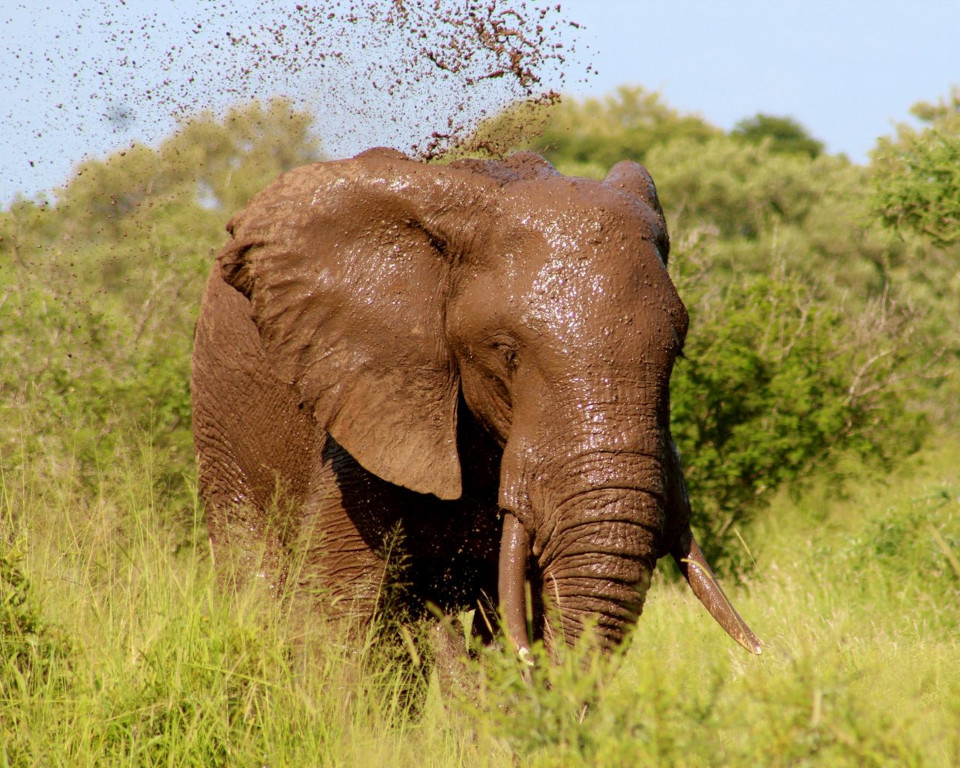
point(388, 292)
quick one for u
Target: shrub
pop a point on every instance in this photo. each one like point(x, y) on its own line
point(32, 653)
point(917, 175)
point(776, 383)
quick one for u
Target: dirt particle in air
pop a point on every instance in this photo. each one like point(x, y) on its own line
point(417, 76)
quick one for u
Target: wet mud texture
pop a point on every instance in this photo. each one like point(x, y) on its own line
point(388, 347)
point(457, 375)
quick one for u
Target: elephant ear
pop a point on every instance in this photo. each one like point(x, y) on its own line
point(633, 179)
point(347, 286)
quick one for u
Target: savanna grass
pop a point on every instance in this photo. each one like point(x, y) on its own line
point(156, 665)
point(120, 648)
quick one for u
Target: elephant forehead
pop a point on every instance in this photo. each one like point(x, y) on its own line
point(596, 315)
point(591, 289)
point(564, 293)
point(571, 214)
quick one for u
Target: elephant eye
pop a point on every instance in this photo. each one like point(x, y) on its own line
point(508, 353)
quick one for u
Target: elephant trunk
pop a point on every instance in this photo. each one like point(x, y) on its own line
point(596, 565)
point(580, 588)
point(597, 561)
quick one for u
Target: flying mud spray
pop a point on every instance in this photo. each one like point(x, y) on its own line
point(415, 76)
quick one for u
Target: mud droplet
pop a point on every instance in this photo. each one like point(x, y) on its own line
point(417, 76)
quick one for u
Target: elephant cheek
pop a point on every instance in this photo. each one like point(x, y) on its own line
point(488, 401)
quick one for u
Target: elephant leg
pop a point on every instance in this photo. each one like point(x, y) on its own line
point(346, 541)
point(253, 442)
point(245, 549)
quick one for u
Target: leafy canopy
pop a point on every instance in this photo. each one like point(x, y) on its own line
point(917, 182)
point(783, 134)
point(100, 289)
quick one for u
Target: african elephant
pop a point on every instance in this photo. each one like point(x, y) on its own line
point(476, 354)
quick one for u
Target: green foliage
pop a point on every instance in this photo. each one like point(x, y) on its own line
point(207, 162)
point(622, 126)
point(853, 596)
point(781, 134)
point(917, 182)
point(920, 536)
point(732, 189)
point(587, 137)
point(771, 388)
point(32, 653)
point(100, 290)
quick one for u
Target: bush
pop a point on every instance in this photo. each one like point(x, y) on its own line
point(33, 654)
point(917, 179)
point(776, 384)
point(103, 288)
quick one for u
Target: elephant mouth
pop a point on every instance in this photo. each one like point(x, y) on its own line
point(511, 583)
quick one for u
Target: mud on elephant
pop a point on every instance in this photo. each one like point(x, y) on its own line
point(478, 354)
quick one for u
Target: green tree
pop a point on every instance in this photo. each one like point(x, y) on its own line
point(100, 289)
point(917, 181)
point(778, 382)
point(781, 134)
point(734, 189)
point(587, 137)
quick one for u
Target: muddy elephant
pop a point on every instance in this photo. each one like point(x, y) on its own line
point(461, 367)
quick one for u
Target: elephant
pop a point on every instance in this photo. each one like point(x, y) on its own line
point(464, 367)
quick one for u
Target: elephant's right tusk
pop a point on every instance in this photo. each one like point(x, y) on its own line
point(514, 552)
point(693, 565)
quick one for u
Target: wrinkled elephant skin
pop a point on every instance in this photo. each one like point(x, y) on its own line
point(474, 356)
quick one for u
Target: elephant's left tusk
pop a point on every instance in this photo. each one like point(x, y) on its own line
point(693, 565)
point(514, 552)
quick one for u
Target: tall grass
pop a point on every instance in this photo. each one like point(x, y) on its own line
point(132, 655)
point(119, 648)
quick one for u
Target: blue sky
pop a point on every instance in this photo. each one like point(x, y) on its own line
point(847, 69)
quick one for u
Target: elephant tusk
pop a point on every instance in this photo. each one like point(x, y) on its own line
point(514, 552)
point(695, 569)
